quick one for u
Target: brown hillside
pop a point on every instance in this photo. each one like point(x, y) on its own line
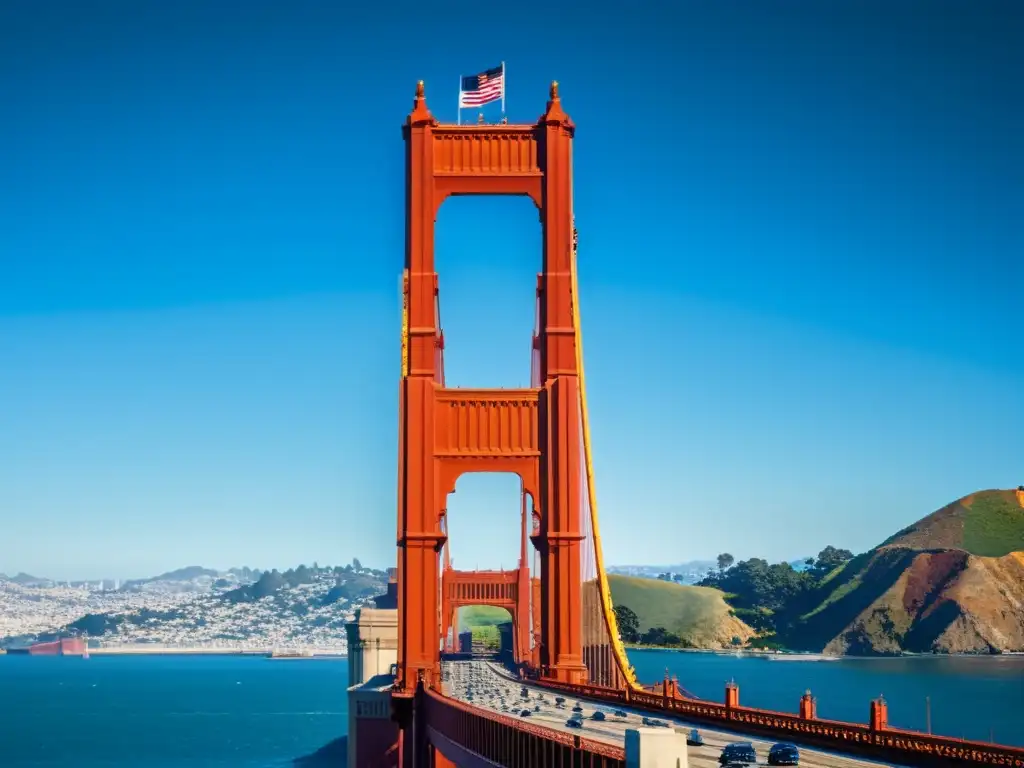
point(988, 523)
point(947, 602)
point(953, 582)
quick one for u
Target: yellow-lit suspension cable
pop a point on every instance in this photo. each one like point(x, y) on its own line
point(602, 578)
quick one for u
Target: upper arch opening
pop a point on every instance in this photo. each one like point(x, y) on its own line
point(487, 253)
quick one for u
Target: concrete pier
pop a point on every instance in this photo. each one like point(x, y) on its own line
point(655, 748)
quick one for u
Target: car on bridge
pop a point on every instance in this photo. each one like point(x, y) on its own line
point(738, 753)
point(572, 722)
point(784, 754)
point(694, 739)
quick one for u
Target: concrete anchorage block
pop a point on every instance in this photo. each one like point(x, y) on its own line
point(656, 748)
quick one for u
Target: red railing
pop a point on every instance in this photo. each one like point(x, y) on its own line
point(890, 744)
point(513, 743)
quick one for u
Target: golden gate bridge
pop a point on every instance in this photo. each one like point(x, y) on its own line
point(419, 710)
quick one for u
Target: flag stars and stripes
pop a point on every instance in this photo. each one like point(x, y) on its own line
point(481, 89)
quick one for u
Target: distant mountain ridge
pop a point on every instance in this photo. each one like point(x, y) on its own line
point(305, 606)
point(24, 579)
point(187, 573)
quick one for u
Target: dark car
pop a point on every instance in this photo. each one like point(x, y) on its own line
point(573, 723)
point(525, 713)
point(784, 754)
point(694, 739)
point(738, 753)
point(597, 716)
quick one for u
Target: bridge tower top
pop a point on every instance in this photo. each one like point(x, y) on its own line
point(444, 160)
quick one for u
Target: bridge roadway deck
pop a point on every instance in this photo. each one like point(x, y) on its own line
point(491, 686)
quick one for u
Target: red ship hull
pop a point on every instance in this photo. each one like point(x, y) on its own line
point(68, 646)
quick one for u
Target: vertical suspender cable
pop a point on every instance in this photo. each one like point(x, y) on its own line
point(602, 578)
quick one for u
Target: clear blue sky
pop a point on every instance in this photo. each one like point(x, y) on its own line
point(801, 264)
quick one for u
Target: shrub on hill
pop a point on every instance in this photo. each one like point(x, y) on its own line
point(95, 624)
point(771, 598)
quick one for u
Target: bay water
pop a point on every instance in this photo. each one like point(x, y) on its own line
point(253, 712)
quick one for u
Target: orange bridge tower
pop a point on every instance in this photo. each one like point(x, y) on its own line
point(444, 433)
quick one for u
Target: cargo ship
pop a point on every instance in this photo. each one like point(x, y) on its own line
point(291, 654)
point(65, 646)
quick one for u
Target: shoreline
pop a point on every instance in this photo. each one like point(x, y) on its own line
point(808, 656)
point(142, 650)
point(159, 650)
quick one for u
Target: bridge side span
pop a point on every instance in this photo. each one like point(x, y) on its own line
point(876, 740)
point(509, 742)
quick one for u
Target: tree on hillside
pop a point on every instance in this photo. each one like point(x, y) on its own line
point(660, 636)
point(356, 564)
point(829, 559)
point(725, 561)
point(760, 586)
point(628, 623)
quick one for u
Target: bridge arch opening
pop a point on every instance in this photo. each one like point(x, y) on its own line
point(485, 566)
point(483, 519)
point(487, 628)
point(487, 253)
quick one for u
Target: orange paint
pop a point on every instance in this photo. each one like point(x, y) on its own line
point(444, 433)
point(500, 589)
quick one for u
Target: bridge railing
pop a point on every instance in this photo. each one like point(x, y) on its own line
point(889, 744)
point(511, 742)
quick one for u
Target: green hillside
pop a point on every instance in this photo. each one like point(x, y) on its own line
point(986, 523)
point(699, 615)
point(474, 616)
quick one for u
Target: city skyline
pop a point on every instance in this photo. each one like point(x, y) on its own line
point(799, 271)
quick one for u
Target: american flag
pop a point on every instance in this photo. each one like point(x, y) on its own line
point(484, 88)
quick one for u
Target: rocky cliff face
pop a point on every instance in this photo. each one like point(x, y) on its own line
point(951, 583)
point(947, 602)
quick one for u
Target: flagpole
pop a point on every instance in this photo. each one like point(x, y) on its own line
point(458, 112)
point(503, 89)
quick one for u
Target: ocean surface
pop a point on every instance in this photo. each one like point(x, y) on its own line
point(245, 712)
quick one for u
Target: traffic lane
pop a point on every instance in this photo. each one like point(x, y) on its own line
point(612, 729)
